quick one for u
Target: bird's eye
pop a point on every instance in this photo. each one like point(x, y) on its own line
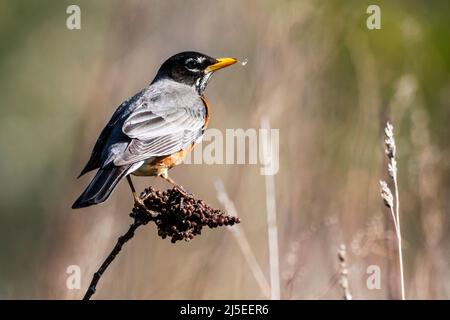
point(191, 65)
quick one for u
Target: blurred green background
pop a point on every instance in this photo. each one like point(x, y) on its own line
point(314, 70)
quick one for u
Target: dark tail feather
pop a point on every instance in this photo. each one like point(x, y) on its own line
point(100, 187)
point(89, 166)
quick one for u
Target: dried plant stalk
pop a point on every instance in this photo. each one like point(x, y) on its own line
point(242, 240)
point(176, 215)
point(272, 227)
point(343, 270)
point(393, 201)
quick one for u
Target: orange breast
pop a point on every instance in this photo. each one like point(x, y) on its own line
point(208, 111)
point(176, 158)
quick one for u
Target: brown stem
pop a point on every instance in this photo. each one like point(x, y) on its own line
point(138, 221)
point(176, 215)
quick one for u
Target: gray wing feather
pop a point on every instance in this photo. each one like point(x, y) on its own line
point(149, 124)
point(101, 155)
point(165, 123)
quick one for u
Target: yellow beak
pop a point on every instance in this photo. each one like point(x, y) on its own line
point(221, 63)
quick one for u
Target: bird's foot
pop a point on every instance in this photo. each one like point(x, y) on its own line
point(139, 203)
point(181, 190)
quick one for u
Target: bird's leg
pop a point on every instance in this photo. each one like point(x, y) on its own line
point(138, 201)
point(166, 177)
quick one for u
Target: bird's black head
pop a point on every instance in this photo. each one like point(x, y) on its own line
point(192, 68)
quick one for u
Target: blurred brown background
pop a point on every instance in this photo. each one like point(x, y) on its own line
point(314, 70)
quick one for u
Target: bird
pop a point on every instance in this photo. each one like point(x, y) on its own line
point(155, 129)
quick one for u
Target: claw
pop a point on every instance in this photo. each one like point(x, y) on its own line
point(139, 203)
point(180, 188)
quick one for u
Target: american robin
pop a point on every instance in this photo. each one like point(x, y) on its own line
point(154, 130)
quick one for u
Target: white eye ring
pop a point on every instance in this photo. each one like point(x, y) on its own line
point(193, 63)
